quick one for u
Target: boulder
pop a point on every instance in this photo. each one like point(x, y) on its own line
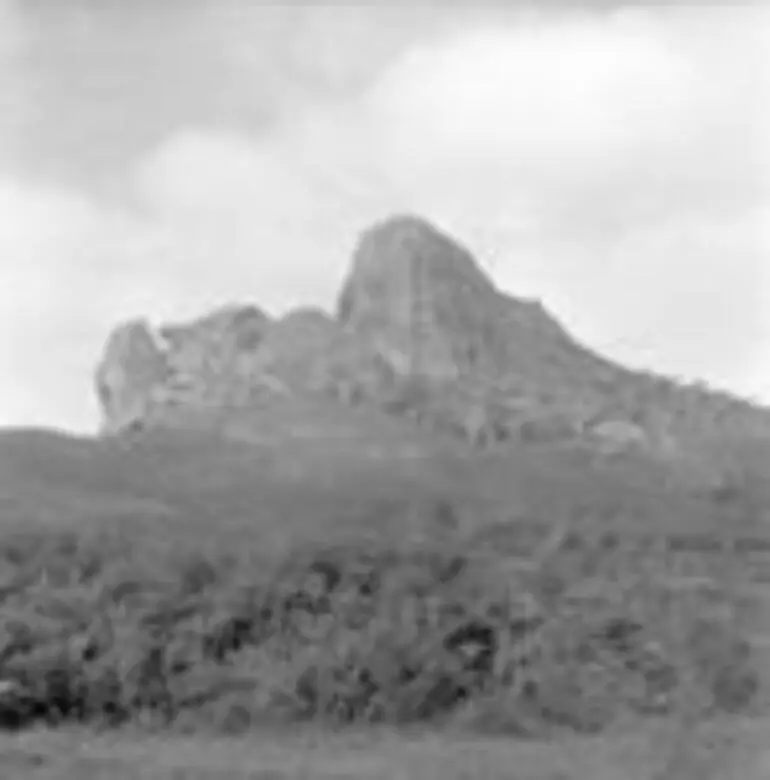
point(210, 358)
point(309, 352)
point(420, 332)
point(616, 435)
point(132, 370)
point(419, 298)
point(414, 309)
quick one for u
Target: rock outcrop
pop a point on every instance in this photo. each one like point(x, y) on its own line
point(308, 352)
point(419, 332)
point(130, 375)
point(208, 359)
point(484, 359)
point(420, 299)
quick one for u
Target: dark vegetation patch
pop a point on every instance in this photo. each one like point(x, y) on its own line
point(229, 586)
point(195, 629)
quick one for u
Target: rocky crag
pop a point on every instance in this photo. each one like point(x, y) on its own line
point(420, 332)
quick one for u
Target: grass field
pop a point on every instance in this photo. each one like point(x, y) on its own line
point(337, 616)
point(737, 750)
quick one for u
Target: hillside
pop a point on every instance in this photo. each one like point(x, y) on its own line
point(173, 579)
point(204, 482)
point(420, 332)
point(284, 522)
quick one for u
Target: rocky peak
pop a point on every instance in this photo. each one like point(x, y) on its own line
point(131, 370)
point(237, 327)
point(420, 298)
point(414, 307)
point(205, 357)
point(420, 332)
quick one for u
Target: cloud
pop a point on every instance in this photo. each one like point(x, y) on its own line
point(687, 296)
point(12, 40)
point(594, 119)
point(622, 163)
point(591, 156)
point(613, 164)
point(12, 32)
point(554, 95)
point(66, 272)
point(276, 221)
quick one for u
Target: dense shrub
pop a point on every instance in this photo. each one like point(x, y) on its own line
point(109, 629)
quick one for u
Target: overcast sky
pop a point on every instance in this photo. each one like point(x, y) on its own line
point(161, 158)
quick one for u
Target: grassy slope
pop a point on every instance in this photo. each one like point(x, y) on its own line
point(187, 489)
point(736, 751)
point(190, 481)
point(201, 479)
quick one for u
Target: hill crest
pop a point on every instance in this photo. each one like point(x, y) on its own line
point(419, 332)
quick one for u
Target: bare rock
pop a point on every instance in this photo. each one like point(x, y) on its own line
point(225, 331)
point(309, 352)
point(132, 369)
point(619, 435)
point(425, 304)
point(422, 333)
point(419, 298)
point(422, 301)
point(415, 308)
point(209, 358)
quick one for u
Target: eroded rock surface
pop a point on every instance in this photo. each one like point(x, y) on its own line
point(420, 332)
point(420, 298)
point(131, 373)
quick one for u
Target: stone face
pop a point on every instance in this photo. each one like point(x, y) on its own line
point(421, 333)
point(224, 331)
point(618, 435)
point(419, 298)
point(208, 357)
point(131, 370)
point(415, 306)
point(423, 303)
point(309, 351)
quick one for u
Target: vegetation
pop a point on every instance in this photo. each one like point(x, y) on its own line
point(198, 629)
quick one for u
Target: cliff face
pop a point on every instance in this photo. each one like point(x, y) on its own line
point(419, 332)
point(130, 374)
point(420, 299)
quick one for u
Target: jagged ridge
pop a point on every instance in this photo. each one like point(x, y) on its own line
point(419, 331)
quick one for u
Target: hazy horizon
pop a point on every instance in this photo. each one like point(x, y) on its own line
point(158, 159)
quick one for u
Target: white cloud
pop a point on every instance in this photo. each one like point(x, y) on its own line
point(12, 33)
point(687, 296)
point(623, 163)
point(543, 96)
point(620, 118)
point(12, 39)
point(68, 270)
point(276, 222)
point(611, 164)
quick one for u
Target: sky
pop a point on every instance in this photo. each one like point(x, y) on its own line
point(160, 158)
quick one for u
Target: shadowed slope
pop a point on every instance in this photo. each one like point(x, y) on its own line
point(211, 484)
point(421, 333)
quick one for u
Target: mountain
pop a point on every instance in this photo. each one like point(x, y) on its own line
point(420, 333)
point(364, 416)
point(198, 484)
point(265, 491)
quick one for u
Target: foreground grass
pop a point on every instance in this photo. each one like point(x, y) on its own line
point(418, 622)
point(724, 750)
